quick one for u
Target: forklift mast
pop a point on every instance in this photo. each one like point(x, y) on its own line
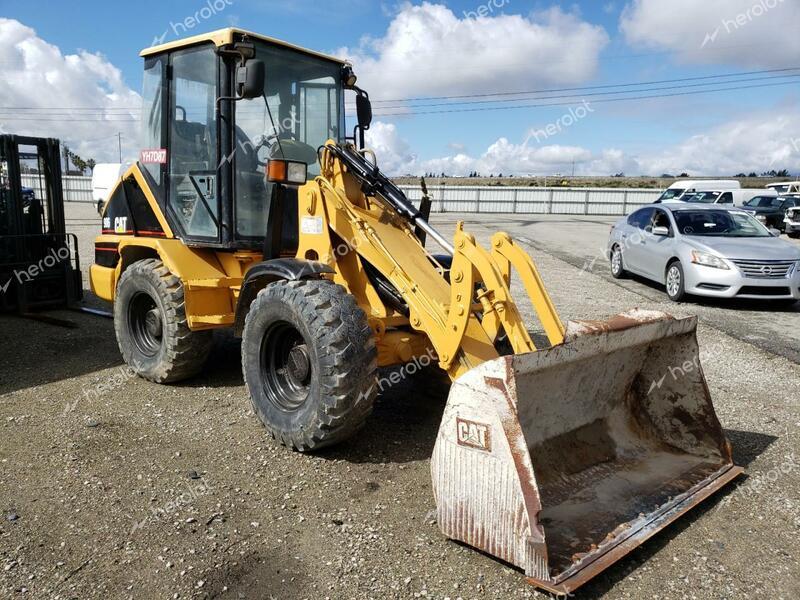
point(39, 263)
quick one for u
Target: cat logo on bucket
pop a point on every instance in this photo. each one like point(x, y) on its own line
point(473, 435)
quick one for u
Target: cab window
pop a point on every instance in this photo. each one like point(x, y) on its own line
point(193, 197)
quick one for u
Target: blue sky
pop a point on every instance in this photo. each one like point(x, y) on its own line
point(459, 48)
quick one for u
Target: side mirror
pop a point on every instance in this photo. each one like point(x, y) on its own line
point(363, 111)
point(775, 232)
point(250, 79)
point(660, 231)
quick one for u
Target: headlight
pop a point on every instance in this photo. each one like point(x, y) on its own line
point(708, 260)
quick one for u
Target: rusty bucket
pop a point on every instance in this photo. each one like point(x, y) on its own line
point(562, 461)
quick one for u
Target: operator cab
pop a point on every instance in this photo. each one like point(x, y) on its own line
point(216, 109)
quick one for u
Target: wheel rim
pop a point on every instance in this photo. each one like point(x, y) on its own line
point(286, 369)
point(616, 261)
point(146, 324)
point(673, 281)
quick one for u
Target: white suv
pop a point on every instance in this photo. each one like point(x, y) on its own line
point(792, 222)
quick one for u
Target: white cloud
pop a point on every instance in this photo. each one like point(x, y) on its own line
point(36, 75)
point(750, 33)
point(427, 49)
point(768, 139)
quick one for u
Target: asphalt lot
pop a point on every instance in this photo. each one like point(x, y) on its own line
point(113, 487)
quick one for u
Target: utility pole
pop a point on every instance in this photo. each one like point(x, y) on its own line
point(119, 143)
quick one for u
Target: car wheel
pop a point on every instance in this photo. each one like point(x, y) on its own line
point(675, 282)
point(617, 266)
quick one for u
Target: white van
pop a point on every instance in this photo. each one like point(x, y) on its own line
point(689, 186)
point(104, 179)
point(729, 197)
point(785, 187)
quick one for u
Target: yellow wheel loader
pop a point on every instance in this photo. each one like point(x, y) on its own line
point(251, 208)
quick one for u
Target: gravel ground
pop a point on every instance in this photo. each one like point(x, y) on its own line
point(113, 487)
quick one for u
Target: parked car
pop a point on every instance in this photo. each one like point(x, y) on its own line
point(786, 187)
point(707, 251)
point(791, 223)
point(730, 197)
point(682, 187)
point(771, 210)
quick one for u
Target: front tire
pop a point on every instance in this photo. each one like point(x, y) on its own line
point(676, 289)
point(309, 361)
point(617, 265)
point(152, 329)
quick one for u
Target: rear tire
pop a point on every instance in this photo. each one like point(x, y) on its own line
point(617, 265)
point(675, 282)
point(151, 326)
point(309, 361)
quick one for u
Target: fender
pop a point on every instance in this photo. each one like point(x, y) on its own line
point(269, 271)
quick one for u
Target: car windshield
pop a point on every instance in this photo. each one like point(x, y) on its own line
point(763, 202)
point(719, 223)
point(781, 189)
point(670, 194)
point(704, 197)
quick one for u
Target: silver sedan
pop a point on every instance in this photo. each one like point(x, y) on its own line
point(706, 251)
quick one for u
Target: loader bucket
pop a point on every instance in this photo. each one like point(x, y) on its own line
point(562, 461)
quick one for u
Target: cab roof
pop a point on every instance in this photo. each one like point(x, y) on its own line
point(221, 37)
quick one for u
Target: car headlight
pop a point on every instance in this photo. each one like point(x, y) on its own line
point(708, 260)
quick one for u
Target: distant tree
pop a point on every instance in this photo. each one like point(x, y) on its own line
point(740, 175)
point(752, 174)
point(79, 163)
point(91, 164)
point(667, 176)
point(683, 175)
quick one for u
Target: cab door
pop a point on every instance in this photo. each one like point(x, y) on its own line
point(193, 197)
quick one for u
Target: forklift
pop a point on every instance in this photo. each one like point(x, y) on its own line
point(39, 262)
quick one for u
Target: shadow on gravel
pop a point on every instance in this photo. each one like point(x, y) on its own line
point(263, 574)
point(748, 445)
point(404, 421)
point(36, 352)
point(223, 368)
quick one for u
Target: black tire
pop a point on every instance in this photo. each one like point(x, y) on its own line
point(151, 326)
point(309, 361)
point(617, 263)
point(676, 290)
